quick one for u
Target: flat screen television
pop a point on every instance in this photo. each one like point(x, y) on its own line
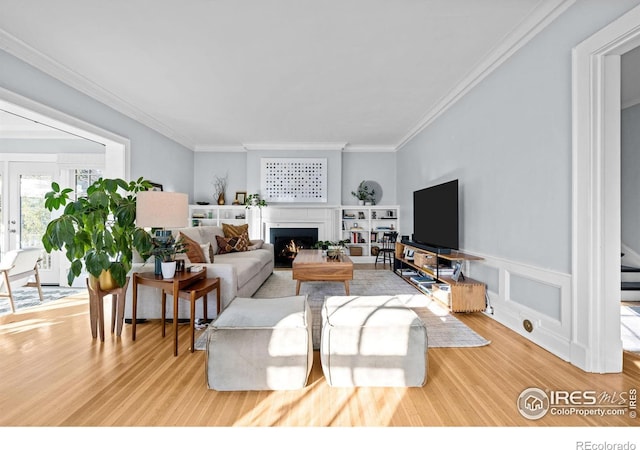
point(435, 217)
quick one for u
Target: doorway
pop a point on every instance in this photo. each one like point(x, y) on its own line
point(27, 173)
point(26, 217)
point(596, 340)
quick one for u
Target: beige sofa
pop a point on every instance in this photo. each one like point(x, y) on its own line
point(241, 274)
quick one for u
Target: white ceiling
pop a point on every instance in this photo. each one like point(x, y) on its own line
point(233, 74)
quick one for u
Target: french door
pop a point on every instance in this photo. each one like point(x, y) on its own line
point(24, 216)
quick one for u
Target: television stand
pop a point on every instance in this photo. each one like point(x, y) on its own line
point(463, 295)
point(429, 248)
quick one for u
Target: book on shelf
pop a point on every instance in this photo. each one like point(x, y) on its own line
point(441, 270)
point(417, 279)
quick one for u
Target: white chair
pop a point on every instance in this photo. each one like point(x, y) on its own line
point(18, 265)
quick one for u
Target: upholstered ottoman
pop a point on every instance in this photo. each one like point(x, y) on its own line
point(372, 341)
point(260, 344)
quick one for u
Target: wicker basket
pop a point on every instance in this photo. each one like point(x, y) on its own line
point(355, 251)
point(423, 259)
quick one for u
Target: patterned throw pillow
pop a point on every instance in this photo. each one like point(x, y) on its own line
point(194, 251)
point(232, 244)
point(235, 230)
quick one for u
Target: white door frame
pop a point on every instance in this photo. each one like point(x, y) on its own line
point(117, 148)
point(596, 345)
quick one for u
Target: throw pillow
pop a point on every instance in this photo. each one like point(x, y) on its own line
point(194, 251)
point(234, 230)
point(207, 251)
point(232, 244)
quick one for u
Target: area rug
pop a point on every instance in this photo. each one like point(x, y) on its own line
point(630, 328)
point(443, 329)
point(27, 297)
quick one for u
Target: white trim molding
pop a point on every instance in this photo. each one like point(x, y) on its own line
point(596, 342)
point(539, 19)
point(25, 52)
point(551, 333)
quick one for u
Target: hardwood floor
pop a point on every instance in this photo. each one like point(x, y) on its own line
point(53, 374)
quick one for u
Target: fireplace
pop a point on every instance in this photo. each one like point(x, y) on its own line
point(288, 241)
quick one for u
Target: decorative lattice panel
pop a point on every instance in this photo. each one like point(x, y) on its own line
point(294, 179)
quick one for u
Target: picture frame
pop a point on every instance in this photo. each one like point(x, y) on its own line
point(156, 187)
point(241, 197)
point(457, 271)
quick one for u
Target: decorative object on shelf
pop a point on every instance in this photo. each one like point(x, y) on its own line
point(155, 187)
point(240, 198)
point(254, 200)
point(158, 211)
point(294, 179)
point(364, 193)
point(202, 203)
point(99, 232)
point(220, 187)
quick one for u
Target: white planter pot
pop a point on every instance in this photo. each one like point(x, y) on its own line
point(361, 202)
point(168, 269)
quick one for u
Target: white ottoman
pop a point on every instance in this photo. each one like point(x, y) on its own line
point(372, 341)
point(260, 344)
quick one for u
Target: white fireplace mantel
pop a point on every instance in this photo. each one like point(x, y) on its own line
point(323, 218)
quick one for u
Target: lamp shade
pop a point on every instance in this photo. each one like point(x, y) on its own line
point(159, 209)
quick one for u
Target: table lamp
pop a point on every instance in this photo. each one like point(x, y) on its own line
point(160, 210)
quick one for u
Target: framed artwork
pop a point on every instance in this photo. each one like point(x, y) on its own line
point(156, 187)
point(240, 198)
point(294, 179)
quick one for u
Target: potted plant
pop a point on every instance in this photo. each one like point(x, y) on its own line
point(333, 248)
point(98, 232)
point(363, 194)
point(255, 200)
point(165, 249)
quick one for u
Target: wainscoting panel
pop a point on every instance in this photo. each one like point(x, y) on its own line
point(532, 301)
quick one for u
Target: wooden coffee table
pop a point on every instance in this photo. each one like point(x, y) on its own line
point(310, 265)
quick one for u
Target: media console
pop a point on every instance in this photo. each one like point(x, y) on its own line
point(432, 273)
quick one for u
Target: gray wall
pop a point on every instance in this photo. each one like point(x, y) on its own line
point(378, 167)
point(630, 186)
point(509, 143)
point(208, 166)
point(345, 171)
point(153, 156)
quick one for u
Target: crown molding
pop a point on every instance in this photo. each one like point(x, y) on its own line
point(370, 149)
point(537, 21)
point(53, 68)
point(295, 146)
point(219, 149)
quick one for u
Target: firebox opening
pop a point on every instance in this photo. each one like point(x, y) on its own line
point(288, 241)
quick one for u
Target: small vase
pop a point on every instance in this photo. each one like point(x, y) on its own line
point(361, 202)
point(168, 269)
point(221, 199)
point(157, 268)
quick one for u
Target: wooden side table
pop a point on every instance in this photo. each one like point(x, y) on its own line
point(169, 286)
point(96, 308)
point(193, 292)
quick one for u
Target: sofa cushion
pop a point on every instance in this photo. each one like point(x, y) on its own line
point(232, 244)
point(202, 234)
point(255, 245)
point(230, 230)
